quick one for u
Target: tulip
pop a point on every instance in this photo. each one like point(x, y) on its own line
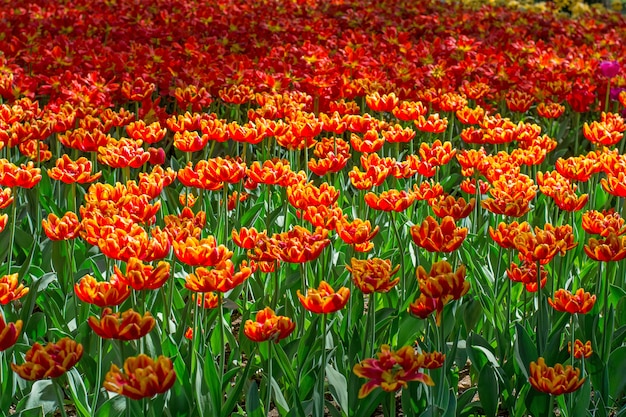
point(141, 377)
point(50, 361)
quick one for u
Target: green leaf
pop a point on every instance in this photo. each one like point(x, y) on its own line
point(338, 386)
point(488, 354)
point(212, 380)
point(525, 349)
point(78, 392)
point(582, 400)
point(35, 287)
point(42, 395)
point(114, 406)
point(279, 398)
point(451, 409)
point(367, 405)
point(253, 403)
point(488, 391)
point(617, 366)
point(537, 403)
point(32, 412)
point(284, 364)
point(235, 394)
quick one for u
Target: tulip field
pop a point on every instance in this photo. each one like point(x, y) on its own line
point(343, 208)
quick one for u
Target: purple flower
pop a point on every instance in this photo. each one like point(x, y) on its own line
point(609, 68)
point(614, 94)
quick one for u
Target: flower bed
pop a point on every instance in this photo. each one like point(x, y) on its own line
point(336, 208)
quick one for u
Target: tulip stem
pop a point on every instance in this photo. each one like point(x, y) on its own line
point(12, 236)
point(225, 200)
point(322, 368)
point(392, 404)
point(269, 377)
point(550, 411)
point(371, 325)
point(94, 401)
point(402, 274)
point(540, 330)
point(606, 345)
point(606, 97)
point(220, 298)
point(58, 391)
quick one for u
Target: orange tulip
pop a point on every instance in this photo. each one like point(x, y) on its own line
point(186, 224)
point(550, 110)
point(424, 306)
point(434, 123)
point(299, 244)
point(222, 278)
point(468, 186)
point(408, 111)
point(437, 154)
point(373, 275)
point(271, 172)
point(526, 273)
point(381, 103)
point(600, 133)
point(230, 170)
point(519, 100)
point(602, 223)
point(50, 361)
point(10, 290)
point(143, 277)
point(329, 164)
point(577, 168)
point(390, 200)
point(142, 377)
point(25, 176)
point(151, 133)
point(128, 325)
point(208, 300)
point(322, 216)
point(441, 282)
point(203, 252)
point(64, 228)
point(355, 232)
point(610, 249)
point(580, 302)
point(542, 245)
point(434, 237)
point(427, 190)
point(581, 350)
point(450, 206)
point(5, 198)
point(370, 142)
point(101, 294)
point(197, 177)
point(247, 238)
point(554, 381)
point(469, 116)
point(190, 141)
point(566, 199)
point(615, 184)
point(9, 332)
point(83, 140)
point(391, 370)
point(268, 326)
point(69, 171)
point(505, 233)
point(324, 299)
point(302, 195)
point(373, 176)
point(123, 153)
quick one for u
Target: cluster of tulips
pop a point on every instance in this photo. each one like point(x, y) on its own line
point(299, 212)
